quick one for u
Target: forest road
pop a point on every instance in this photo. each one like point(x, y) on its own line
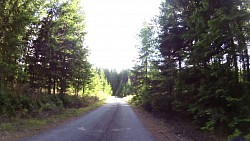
point(115, 121)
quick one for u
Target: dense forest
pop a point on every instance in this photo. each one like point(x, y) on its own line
point(43, 60)
point(120, 82)
point(194, 61)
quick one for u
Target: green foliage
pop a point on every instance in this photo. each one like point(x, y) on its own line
point(145, 76)
point(98, 85)
point(203, 67)
point(6, 126)
point(14, 17)
point(55, 55)
point(30, 104)
point(42, 53)
point(29, 124)
point(238, 133)
point(120, 82)
point(72, 101)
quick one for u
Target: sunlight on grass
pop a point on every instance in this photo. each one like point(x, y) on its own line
point(36, 123)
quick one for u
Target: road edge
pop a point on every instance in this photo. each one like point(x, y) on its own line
point(52, 122)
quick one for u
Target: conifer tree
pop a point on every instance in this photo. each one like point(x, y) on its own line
point(15, 16)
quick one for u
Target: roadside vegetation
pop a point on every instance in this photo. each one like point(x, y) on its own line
point(17, 128)
point(44, 71)
point(41, 121)
point(194, 62)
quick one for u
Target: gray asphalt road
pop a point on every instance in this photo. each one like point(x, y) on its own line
point(114, 121)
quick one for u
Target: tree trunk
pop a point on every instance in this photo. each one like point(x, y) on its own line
point(235, 63)
point(54, 86)
point(247, 65)
point(49, 85)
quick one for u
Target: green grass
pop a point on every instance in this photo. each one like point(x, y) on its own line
point(38, 123)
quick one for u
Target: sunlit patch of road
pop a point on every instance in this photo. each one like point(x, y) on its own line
point(114, 99)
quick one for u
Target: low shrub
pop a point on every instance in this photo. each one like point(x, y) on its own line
point(20, 103)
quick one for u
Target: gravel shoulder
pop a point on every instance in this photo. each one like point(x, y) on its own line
point(172, 129)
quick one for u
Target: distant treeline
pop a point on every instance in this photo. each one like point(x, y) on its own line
point(119, 81)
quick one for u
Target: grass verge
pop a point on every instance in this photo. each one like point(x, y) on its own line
point(19, 128)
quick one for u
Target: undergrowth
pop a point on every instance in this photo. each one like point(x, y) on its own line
point(38, 122)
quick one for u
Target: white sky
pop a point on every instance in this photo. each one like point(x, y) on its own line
point(112, 26)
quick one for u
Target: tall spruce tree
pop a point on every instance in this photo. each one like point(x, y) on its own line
point(144, 66)
point(205, 64)
point(56, 56)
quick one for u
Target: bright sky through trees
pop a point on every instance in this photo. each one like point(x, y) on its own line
point(112, 27)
